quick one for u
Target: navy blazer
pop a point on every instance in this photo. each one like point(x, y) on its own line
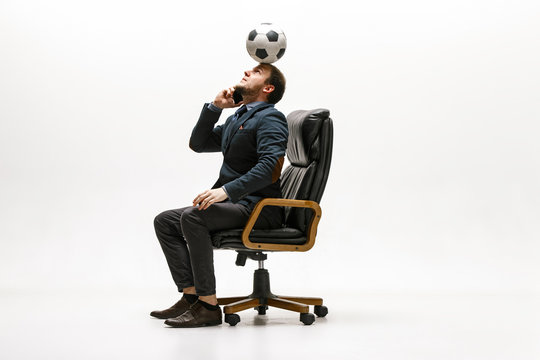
point(253, 148)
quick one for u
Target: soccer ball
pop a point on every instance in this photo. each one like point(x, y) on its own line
point(266, 43)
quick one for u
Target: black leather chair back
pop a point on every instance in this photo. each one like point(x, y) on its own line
point(309, 151)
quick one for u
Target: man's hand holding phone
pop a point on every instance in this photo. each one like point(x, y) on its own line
point(227, 98)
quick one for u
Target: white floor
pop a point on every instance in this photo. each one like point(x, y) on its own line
point(109, 325)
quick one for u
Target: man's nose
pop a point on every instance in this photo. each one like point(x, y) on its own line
point(247, 72)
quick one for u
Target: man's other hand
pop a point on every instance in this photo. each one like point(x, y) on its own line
point(207, 198)
point(224, 99)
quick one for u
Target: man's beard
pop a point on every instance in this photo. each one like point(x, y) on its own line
point(247, 92)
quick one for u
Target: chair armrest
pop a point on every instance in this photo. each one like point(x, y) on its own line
point(311, 232)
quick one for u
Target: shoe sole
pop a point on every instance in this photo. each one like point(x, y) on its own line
point(163, 317)
point(215, 323)
point(159, 317)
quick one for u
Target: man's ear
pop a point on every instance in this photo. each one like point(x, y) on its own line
point(267, 89)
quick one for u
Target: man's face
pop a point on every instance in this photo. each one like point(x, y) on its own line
point(253, 81)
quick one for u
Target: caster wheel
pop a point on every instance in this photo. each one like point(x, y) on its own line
point(307, 318)
point(261, 309)
point(320, 310)
point(232, 319)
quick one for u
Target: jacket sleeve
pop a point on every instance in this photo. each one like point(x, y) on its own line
point(272, 135)
point(205, 137)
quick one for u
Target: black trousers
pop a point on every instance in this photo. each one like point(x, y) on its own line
point(185, 237)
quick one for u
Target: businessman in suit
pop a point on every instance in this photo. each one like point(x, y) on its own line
point(253, 142)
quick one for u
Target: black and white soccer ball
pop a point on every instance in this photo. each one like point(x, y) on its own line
point(266, 43)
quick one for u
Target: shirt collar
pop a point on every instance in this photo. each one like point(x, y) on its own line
point(253, 104)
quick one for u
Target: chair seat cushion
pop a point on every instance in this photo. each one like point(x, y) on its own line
point(232, 239)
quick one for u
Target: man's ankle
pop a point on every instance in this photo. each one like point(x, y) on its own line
point(209, 306)
point(209, 299)
point(191, 298)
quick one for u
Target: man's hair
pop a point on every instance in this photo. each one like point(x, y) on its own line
point(276, 79)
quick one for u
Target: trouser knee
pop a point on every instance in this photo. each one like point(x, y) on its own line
point(160, 221)
point(167, 224)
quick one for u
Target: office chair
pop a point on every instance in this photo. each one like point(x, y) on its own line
point(309, 152)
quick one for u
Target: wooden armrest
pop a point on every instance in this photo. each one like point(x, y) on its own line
point(312, 230)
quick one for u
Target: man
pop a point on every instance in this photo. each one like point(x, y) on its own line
point(253, 143)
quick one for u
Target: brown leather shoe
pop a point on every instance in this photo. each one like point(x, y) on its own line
point(176, 310)
point(196, 316)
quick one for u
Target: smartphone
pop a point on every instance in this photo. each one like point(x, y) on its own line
point(237, 97)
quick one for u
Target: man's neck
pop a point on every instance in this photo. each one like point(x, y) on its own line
point(259, 97)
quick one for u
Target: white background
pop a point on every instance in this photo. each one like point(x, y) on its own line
point(434, 185)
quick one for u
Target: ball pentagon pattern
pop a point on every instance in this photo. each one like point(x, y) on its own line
point(266, 43)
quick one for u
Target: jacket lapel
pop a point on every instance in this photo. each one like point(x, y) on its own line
point(235, 126)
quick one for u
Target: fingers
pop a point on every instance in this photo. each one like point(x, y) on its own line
point(227, 93)
point(200, 197)
point(204, 200)
point(225, 98)
point(206, 203)
point(222, 98)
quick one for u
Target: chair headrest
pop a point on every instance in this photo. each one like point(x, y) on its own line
point(304, 125)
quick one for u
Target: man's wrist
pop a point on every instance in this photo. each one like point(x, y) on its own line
point(214, 107)
point(225, 191)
